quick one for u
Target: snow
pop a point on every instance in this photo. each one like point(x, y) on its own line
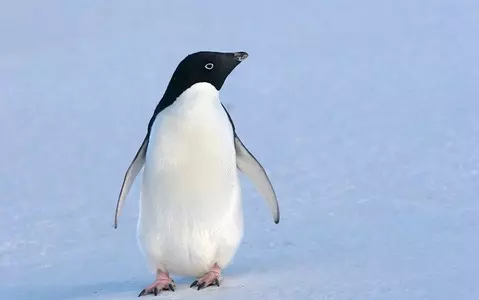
point(364, 113)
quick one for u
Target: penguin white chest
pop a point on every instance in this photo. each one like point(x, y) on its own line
point(190, 206)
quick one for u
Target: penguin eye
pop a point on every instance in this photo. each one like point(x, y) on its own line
point(209, 66)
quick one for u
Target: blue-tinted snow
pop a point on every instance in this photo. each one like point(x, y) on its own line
point(364, 113)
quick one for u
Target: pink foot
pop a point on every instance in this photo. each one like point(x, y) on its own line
point(163, 282)
point(212, 277)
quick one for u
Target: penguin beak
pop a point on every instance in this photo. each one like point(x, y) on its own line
point(240, 56)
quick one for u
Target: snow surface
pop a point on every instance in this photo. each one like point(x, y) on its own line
point(364, 113)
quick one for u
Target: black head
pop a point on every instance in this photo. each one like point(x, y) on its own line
point(204, 66)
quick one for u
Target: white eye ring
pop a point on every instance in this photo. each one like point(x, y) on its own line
point(209, 66)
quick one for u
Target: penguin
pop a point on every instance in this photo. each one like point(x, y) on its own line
point(190, 219)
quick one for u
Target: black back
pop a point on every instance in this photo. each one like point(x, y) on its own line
point(204, 66)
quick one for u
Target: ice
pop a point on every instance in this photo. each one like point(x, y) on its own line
point(365, 115)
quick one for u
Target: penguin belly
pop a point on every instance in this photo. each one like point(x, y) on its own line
point(190, 213)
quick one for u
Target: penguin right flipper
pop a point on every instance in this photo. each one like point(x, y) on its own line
point(130, 175)
point(249, 165)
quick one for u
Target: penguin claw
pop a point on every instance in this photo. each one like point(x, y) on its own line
point(143, 292)
point(162, 283)
point(209, 279)
point(194, 283)
point(201, 285)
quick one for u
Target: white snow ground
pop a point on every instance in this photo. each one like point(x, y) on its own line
point(364, 113)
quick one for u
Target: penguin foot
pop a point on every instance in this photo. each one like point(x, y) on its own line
point(163, 282)
point(212, 277)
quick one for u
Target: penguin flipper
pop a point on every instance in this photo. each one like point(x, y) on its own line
point(247, 163)
point(130, 175)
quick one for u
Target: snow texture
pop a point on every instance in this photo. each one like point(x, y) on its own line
point(365, 114)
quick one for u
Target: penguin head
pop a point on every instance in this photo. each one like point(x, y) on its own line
point(204, 66)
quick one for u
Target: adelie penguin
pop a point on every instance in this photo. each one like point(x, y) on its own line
point(190, 218)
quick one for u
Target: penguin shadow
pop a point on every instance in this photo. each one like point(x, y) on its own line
point(100, 290)
point(127, 289)
point(237, 276)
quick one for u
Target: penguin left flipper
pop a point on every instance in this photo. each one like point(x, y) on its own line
point(247, 163)
point(130, 175)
